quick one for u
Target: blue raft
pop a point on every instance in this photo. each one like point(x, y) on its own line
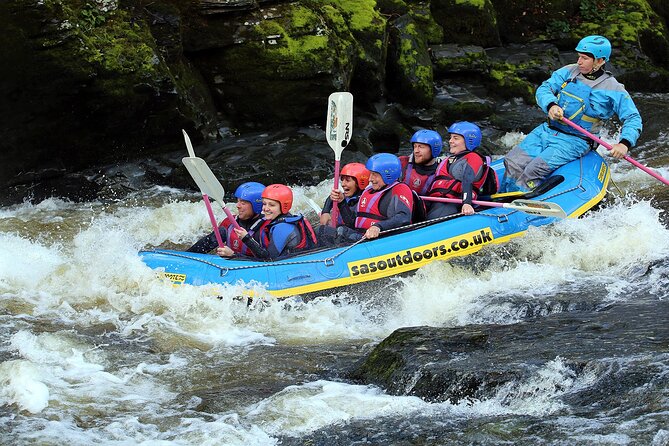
point(578, 186)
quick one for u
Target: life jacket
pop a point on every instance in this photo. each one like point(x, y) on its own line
point(418, 182)
point(308, 236)
point(485, 178)
point(574, 99)
point(369, 212)
point(234, 241)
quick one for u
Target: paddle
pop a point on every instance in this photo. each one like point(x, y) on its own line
point(338, 131)
point(609, 147)
point(544, 208)
point(208, 184)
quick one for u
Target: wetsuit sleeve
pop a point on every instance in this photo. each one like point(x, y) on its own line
point(547, 92)
point(283, 237)
point(327, 206)
point(624, 107)
point(468, 176)
point(255, 247)
point(398, 211)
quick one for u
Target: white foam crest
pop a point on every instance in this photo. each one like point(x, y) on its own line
point(612, 246)
point(439, 294)
point(175, 221)
point(20, 384)
point(75, 375)
point(223, 430)
point(540, 394)
point(510, 139)
point(25, 264)
point(49, 209)
point(301, 409)
point(315, 321)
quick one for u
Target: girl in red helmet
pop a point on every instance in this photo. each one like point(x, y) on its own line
point(281, 233)
point(354, 179)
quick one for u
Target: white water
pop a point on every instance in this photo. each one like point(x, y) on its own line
point(97, 349)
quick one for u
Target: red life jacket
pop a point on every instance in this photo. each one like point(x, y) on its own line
point(308, 236)
point(445, 185)
point(234, 241)
point(368, 211)
point(420, 183)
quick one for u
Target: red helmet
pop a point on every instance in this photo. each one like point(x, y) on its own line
point(280, 193)
point(357, 171)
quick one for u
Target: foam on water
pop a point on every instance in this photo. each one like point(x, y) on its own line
point(608, 248)
point(90, 275)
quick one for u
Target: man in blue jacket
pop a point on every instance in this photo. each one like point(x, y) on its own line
point(586, 94)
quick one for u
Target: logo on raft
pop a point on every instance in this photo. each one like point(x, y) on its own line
point(176, 279)
point(413, 258)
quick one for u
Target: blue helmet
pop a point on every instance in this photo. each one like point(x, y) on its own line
point(598, 46)
point(431, 138)
point(469, 131)
point(251, 192)
point(387, 165)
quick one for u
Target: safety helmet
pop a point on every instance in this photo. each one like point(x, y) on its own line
point(469, 131)
point(280, 193)
point(598, 46)
point(431, 138)
point(357, 171)
point(387, 165)
point(251, 192)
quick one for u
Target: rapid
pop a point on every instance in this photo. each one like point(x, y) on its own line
point(95, 348)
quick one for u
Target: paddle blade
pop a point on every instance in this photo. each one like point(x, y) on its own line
point(189, 145)
point(204, 178)
point(339, 124)
point(544, 208)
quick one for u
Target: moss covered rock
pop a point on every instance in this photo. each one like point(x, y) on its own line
point(84, 84)
point(410, 75)
point(467, 21)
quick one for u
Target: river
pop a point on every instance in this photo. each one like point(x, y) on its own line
point(97, 350)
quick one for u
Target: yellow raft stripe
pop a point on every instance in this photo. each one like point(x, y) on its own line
point(415, 253)
point(604, 176)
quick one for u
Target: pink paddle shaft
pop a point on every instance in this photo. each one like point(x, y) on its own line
point(459, 201)
point(609, 147)
point(335, 205)
point(212, 219)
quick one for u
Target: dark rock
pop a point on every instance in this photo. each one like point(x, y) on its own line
point(439, 364)
point(467, 22)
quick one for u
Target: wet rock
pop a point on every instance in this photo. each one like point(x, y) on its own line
point(439, 364)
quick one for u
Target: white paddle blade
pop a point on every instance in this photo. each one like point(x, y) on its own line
point(204, 178)
point(545, 208)
point(339, 124)
point(189, 145)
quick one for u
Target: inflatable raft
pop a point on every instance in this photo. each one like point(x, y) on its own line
point(575, 187)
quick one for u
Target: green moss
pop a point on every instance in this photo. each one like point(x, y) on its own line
point(431, 30)
point(108, 40)
point(361, 14)
point(480, 4)
point(620, 21)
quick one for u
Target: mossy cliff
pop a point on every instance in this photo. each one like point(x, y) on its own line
point(90, 82)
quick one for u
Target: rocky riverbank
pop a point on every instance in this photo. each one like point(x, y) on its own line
point(109, 82)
